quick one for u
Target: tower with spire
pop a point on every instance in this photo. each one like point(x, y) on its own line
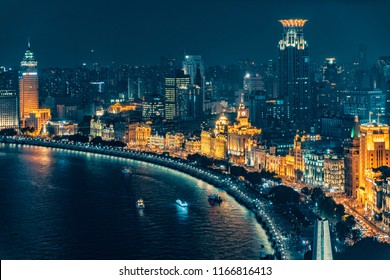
point(28, 85)
point(242, 137)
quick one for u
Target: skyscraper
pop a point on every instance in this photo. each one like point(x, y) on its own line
point(28, 85)
point(294, 83)
point(8, 109)
point(176, 95)
point(194, 67)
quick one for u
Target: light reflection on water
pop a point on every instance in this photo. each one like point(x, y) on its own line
point(59, 204)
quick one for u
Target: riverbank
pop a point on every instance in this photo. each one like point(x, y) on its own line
point(232, 186)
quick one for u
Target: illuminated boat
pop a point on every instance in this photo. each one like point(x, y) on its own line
point(140, 204)
point(126, 170)
point(181, 203)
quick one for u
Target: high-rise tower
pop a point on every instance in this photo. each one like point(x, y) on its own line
point(28, 85)
point(294, 83)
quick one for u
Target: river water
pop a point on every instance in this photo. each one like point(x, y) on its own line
point(59, 204)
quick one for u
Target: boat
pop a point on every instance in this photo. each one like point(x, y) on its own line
point(215, 197)
point(140, 204)
point(126, 170)
point(181, 203)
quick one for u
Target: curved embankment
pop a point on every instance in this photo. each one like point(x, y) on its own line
point(232, 186)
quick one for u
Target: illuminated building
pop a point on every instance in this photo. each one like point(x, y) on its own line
point(314, 169)
point(242, 136)
point(374, 151)
point(386, 203)
point(176, 96)
point(267, 159)
point(28, 85)
point(96, 127)
point(294, 82)
point(351, 161)
point(38, 119)
point(334, 173)
point(361, 102)
point(9, 117)
point(174, 141)
point(193, 145)
point(156, 141)
point(152, 107)
point(193, 66)
point(331, 72)
point(67, 112)
point(117, 107)
point(206, 145)
point(108, 133)
point(142, 134)
point(214, 143)
point(61, 128)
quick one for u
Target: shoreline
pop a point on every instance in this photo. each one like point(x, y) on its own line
point(227, 182)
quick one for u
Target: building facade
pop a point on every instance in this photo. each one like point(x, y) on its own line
point(28, 85)
point(294, 82)
point(9, 117)
point(242, 137)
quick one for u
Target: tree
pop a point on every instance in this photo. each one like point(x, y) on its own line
point(339, 211)
point(283, 195)
point(356, 234)
point(327, 206)
point(317, 194)
point(254, 177)
point(97, 140)
point(305, 190)
point(366, 249)
point(342, 230)
point(350, 221)
point(238, 171)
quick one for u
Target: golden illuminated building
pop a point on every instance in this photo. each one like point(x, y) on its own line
point(270, 161)
point(142, 134)
point(290, 163)
point(174, 141)
point(193, 145)
point(156, 141)
point(121, 107)
point(242, 136)
point(205, 140)
point(28, 86)
point(374, 152)
point(214, 144)
point(38, 119)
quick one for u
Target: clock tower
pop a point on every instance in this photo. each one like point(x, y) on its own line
point(242, 113)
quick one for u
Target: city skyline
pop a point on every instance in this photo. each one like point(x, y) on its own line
point(132, 33)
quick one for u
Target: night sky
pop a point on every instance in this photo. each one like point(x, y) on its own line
point(139, 32)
